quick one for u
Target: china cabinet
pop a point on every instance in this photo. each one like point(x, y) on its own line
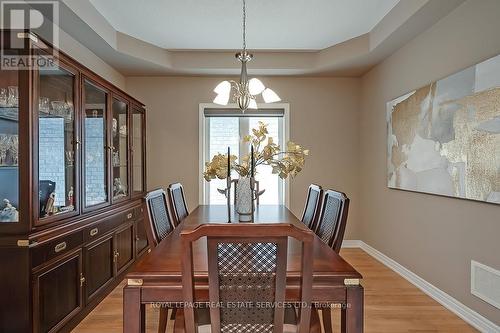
point(72, 178)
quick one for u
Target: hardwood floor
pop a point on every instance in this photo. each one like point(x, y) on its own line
point(392, 305)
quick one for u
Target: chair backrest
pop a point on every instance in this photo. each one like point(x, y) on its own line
point(333, 219)
point(159, 221)
point(178, 202)
point(313, 206)
point(247, 270)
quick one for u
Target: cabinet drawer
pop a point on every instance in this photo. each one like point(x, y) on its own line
point(56, 248)
point(97, 230)
point(124, 217)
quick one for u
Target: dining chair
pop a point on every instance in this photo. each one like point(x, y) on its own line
point(178, 202)
point(333, 219)
point(246, 266)
point(313, 205)
point(158, 224)
point(330, 229)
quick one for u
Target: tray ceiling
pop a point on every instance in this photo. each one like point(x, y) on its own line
point(216, 24)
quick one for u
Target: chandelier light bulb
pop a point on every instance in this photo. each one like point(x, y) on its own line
point(270, 96)
point(252, 104)
point(255, 86)
point(222, 99)
point(223, 88)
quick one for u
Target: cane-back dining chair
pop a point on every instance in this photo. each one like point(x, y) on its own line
point(333, 219)
point(330, 229)
point(178, 202)
point(246, 266)
point(313, 206)
point(158, 223)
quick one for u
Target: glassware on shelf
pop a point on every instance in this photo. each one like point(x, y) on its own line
point(58, 108)
point(13, 99)
point(4, 97)
point(44, 105)
point(68, 112)
point(9, 148)
point(115, 127)
point(70, 158)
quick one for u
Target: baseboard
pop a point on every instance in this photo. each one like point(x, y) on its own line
point(467, 314)
point(351, 243)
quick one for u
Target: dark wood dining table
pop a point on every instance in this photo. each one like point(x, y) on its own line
point(156, 278)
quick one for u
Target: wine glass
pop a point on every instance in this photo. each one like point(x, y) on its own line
point(13, 99)
point(4, 97)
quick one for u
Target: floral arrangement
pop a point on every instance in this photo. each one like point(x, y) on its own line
point(284, 163)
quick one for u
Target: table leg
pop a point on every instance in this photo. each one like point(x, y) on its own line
point(326, 313)
point(352, 314)
point(133, 311)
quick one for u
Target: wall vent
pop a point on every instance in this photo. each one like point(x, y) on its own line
point(485, 283)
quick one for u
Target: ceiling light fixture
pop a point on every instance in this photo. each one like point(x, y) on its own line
point(245, 91)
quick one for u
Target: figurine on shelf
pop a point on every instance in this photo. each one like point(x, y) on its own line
point(49, 207)
point(9, 213)
point(123, 130)
point(70, 196)
point(116, 158)
point(118, 188)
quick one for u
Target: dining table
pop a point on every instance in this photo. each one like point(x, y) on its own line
point(157, 279)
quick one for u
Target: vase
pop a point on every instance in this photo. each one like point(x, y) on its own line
point(244, 199)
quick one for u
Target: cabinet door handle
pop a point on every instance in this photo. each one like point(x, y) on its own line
point(82, 280)
point(94, 232)
point(129, 216)
point(60, 247)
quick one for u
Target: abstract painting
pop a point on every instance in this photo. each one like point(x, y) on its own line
point(444, 138)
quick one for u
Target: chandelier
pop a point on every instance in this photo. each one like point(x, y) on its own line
point(245, 91)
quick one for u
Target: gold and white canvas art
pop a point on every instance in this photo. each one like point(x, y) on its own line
point(444, 138)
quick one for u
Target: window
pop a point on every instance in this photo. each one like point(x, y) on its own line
point(223, 128)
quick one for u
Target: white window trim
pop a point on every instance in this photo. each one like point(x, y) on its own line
point(202, 141)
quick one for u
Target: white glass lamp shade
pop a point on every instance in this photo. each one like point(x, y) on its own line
point(270, 96)
point(222, 99)
point(253, 104)
point(255, 86)
point(223, 88)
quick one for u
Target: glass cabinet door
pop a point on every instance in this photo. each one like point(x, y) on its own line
point(95, 145)
point(138, 142)
point(56, 142)
point(9, 146)
point(119, 149)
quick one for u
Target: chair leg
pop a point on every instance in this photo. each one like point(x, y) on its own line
point(326, 313)
point(162, 325)
point(315, 323)
point(172, 316)
point(343, 318)
point(179, 325)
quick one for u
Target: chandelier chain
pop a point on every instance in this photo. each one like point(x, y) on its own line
point(244, 26)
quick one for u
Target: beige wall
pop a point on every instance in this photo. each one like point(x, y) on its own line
point(80, 53)
point(435, 237)
point(323, 117)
